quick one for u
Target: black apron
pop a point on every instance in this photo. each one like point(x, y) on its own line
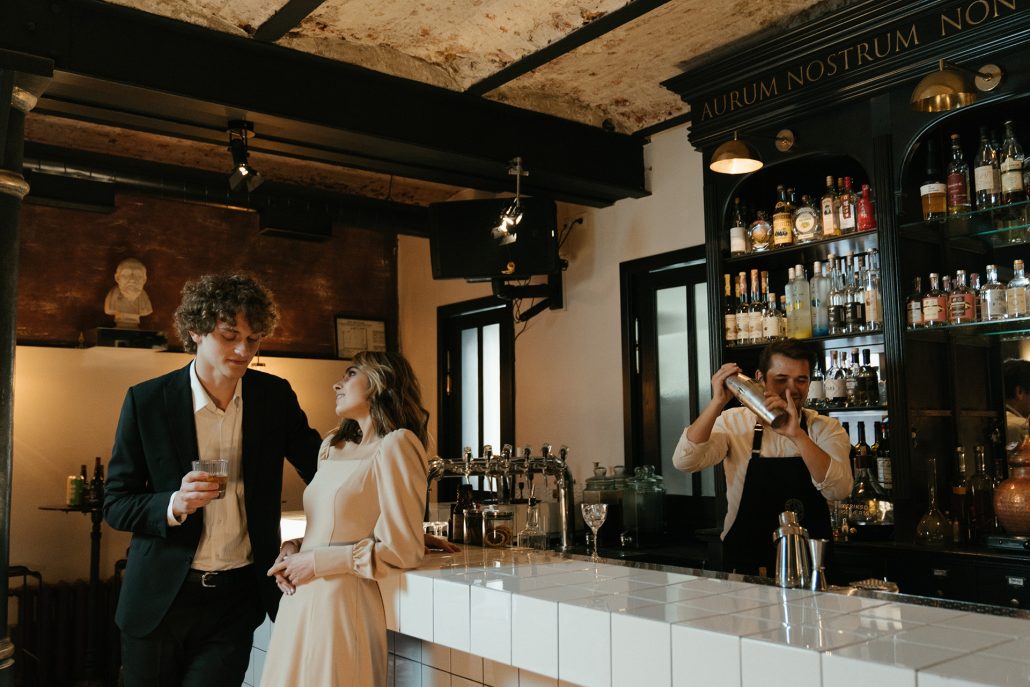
point(771, 486)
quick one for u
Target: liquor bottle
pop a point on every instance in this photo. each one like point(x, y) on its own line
point(873, 305)
point(456, 533)
point(532, 536)
point(980, 497)
point(96, 485)
point(820, 287)
point(817, 387)
point(788, 310)
point(755, 309)
point(992, 297)
point(985, 173)
point(868, 504)
point(935, 304)
point(961, 303)
point(853, 383)
point(782, 220)
point(866, 214)
point(882, 451)
point(806, 221)
point(770, 319)
point(958, 180)
point(959, 505)
point(760, 233)
point(933, 191)
point(868, 380)
point(738, 230)
point(848, 209)
point(914, 305)
point(838, 293)
point(802, 306)
point(1011, 167)
point(1016, 292)
point(835, 384)
point(743, 311)
point(946, 288)
point(828, 207)
point(783, 316)
point(729, 313)
point(974, 288)
point(854, 300)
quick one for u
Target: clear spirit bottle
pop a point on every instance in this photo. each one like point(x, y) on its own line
point(820, 286)
point(1016, 292)
point(992, 297)
point(806, 222)
point(738, 230)
point(802, 306)
point(760, 233)
point(985, 171)
point(532, 536)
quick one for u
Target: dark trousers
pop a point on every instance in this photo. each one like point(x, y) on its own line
point(203, 641)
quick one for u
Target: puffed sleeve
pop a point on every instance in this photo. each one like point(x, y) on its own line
point(400, 472)
point(692, 456)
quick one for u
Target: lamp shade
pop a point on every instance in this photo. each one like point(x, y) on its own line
point(943, 90)
point(735, 157)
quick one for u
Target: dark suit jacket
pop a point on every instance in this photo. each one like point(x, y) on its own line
point(154, 446)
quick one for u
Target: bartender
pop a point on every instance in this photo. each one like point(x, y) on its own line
point(799, 466)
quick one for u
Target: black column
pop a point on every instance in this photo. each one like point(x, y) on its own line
point(22, 80)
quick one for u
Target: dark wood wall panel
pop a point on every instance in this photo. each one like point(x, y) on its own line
point(68, 258)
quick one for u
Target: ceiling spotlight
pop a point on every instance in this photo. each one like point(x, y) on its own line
point(505, 232)
point(952, 87)
point(242, 174)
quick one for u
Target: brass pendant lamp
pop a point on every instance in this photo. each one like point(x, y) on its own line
point(952, 87)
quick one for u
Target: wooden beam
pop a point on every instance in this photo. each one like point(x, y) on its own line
point(285, 18)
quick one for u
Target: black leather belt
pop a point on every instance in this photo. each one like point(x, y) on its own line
point(213, 579)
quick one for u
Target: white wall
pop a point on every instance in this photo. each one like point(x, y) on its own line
point(568, 362)
point(66, 405)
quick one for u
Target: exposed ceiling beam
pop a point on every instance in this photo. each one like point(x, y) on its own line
point(286, 17)
point(568, 43)
point(120, 66)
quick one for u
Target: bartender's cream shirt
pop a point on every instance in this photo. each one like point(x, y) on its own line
point(731, 439)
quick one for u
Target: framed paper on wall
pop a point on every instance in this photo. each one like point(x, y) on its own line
point(353, 335)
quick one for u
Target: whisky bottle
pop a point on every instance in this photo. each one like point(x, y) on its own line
point(985, 173)
point(882, 452)
point(914, 305)
point(959, 510)
point(935, 304)
point(760, 233)
point(869, 380)
point(866, 214)
point(1011, 166)
point(992, 297)
point(1016, 292)
point(806, 221)
point(828, 207)
point(980, 497)
point(95, 493)
point(974, 287)
point(782, 220)
point(755, 310)
point(933, 192)
point(958, 180)
point(738, 230)
point(961, 304)
point(729, 313)
point(848, 221)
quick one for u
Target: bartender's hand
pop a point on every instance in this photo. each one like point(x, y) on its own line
point(792, 428)
point(720, 394)
point(196, 491)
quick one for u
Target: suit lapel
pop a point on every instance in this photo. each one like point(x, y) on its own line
point(179, 411)
point(253, 422)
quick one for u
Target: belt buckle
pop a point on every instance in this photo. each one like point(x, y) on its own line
point(213, 576)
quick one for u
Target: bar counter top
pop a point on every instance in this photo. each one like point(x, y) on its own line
point(623, 623)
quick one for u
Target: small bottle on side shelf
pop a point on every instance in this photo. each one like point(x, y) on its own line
point(866, 214)
point(958, 180)
point(837, 306)
point(95, 494)
point(868, 380)
point(743, 311)
point(760, 233)
point(935, 304)
point(802, 305)
point(959, 507)
point(986, 174)
point(854, 298)
point(979, 494)
point(1016, 292)
point(729, 313)
point(817, 387)
point(738, 230)
point(961, 303)
point(933, 192)
point(782, 220)
point(1011, 167)
point(835, 383)
point(882, 451)
point(853, 383)
point(755, 311)
point(914, 305)
point(873, 305)
point(828, 208)
point(848, 219)
point(771, 318)
point(820, 287)
point(992, 297)
point(806, 222)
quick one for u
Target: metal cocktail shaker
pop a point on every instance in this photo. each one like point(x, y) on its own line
point(793, 565)
point(751, 394)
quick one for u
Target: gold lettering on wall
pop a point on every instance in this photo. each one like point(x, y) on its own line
point(973, 14)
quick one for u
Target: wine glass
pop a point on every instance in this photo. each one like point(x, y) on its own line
point(594, 515)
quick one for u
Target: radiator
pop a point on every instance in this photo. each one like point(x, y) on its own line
point(51, 635)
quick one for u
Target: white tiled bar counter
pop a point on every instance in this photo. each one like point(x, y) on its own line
point(510, 618)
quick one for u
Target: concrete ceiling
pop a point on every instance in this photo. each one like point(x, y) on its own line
point(598, 63)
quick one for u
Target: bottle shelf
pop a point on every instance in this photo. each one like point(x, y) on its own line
point(844, 340)
point(945, 412)
point(855, 242)
point(1013, 326)
point(1003, 225)
point(844, 410)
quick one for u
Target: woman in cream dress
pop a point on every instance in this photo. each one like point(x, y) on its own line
point(364, 521)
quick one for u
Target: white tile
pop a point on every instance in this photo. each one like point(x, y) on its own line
point(715, 585)
point(870, 626)
point(496, 674)
point(849, 672)
point(458, 681)
point(534, 635)
point(467, 665)
point(528, 678)
point(490, 624)
point(415, 606)
point(389, 589)
point(767, 664)
point(1017, 650)
point(889, 651)
point(641, 653)
point(670, 594)
point(579, 578)
point(809, 638)
point(725, 603)
point(407, 673)
point(951, 637)
point(613, 603)
point(991, 623)
point(912, 613)
point(735, 625)
point(408, 647)
point(248, 677)
point(787, 614)
point(622, 585)
point(451, 628)
point(837, 602)
point(976, 670)
point(662, 578)
point(436, 656)
point(561, 593)
point(772, 595)
point(669, 613)
point(701, 657)
point(263, 634)
point(431, 677)
point(585, 639)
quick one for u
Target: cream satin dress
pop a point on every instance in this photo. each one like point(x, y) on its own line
point(364, 521)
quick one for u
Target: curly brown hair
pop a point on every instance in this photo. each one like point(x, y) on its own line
point(395, 398)
point(222, 297)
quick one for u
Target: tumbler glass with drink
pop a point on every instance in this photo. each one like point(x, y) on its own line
point(217, 470)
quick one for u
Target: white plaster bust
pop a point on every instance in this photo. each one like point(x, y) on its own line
point(127, 301)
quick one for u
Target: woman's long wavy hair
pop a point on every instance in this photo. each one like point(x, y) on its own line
point(394, 398)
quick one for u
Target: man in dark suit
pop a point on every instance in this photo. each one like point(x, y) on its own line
point(195, 584)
